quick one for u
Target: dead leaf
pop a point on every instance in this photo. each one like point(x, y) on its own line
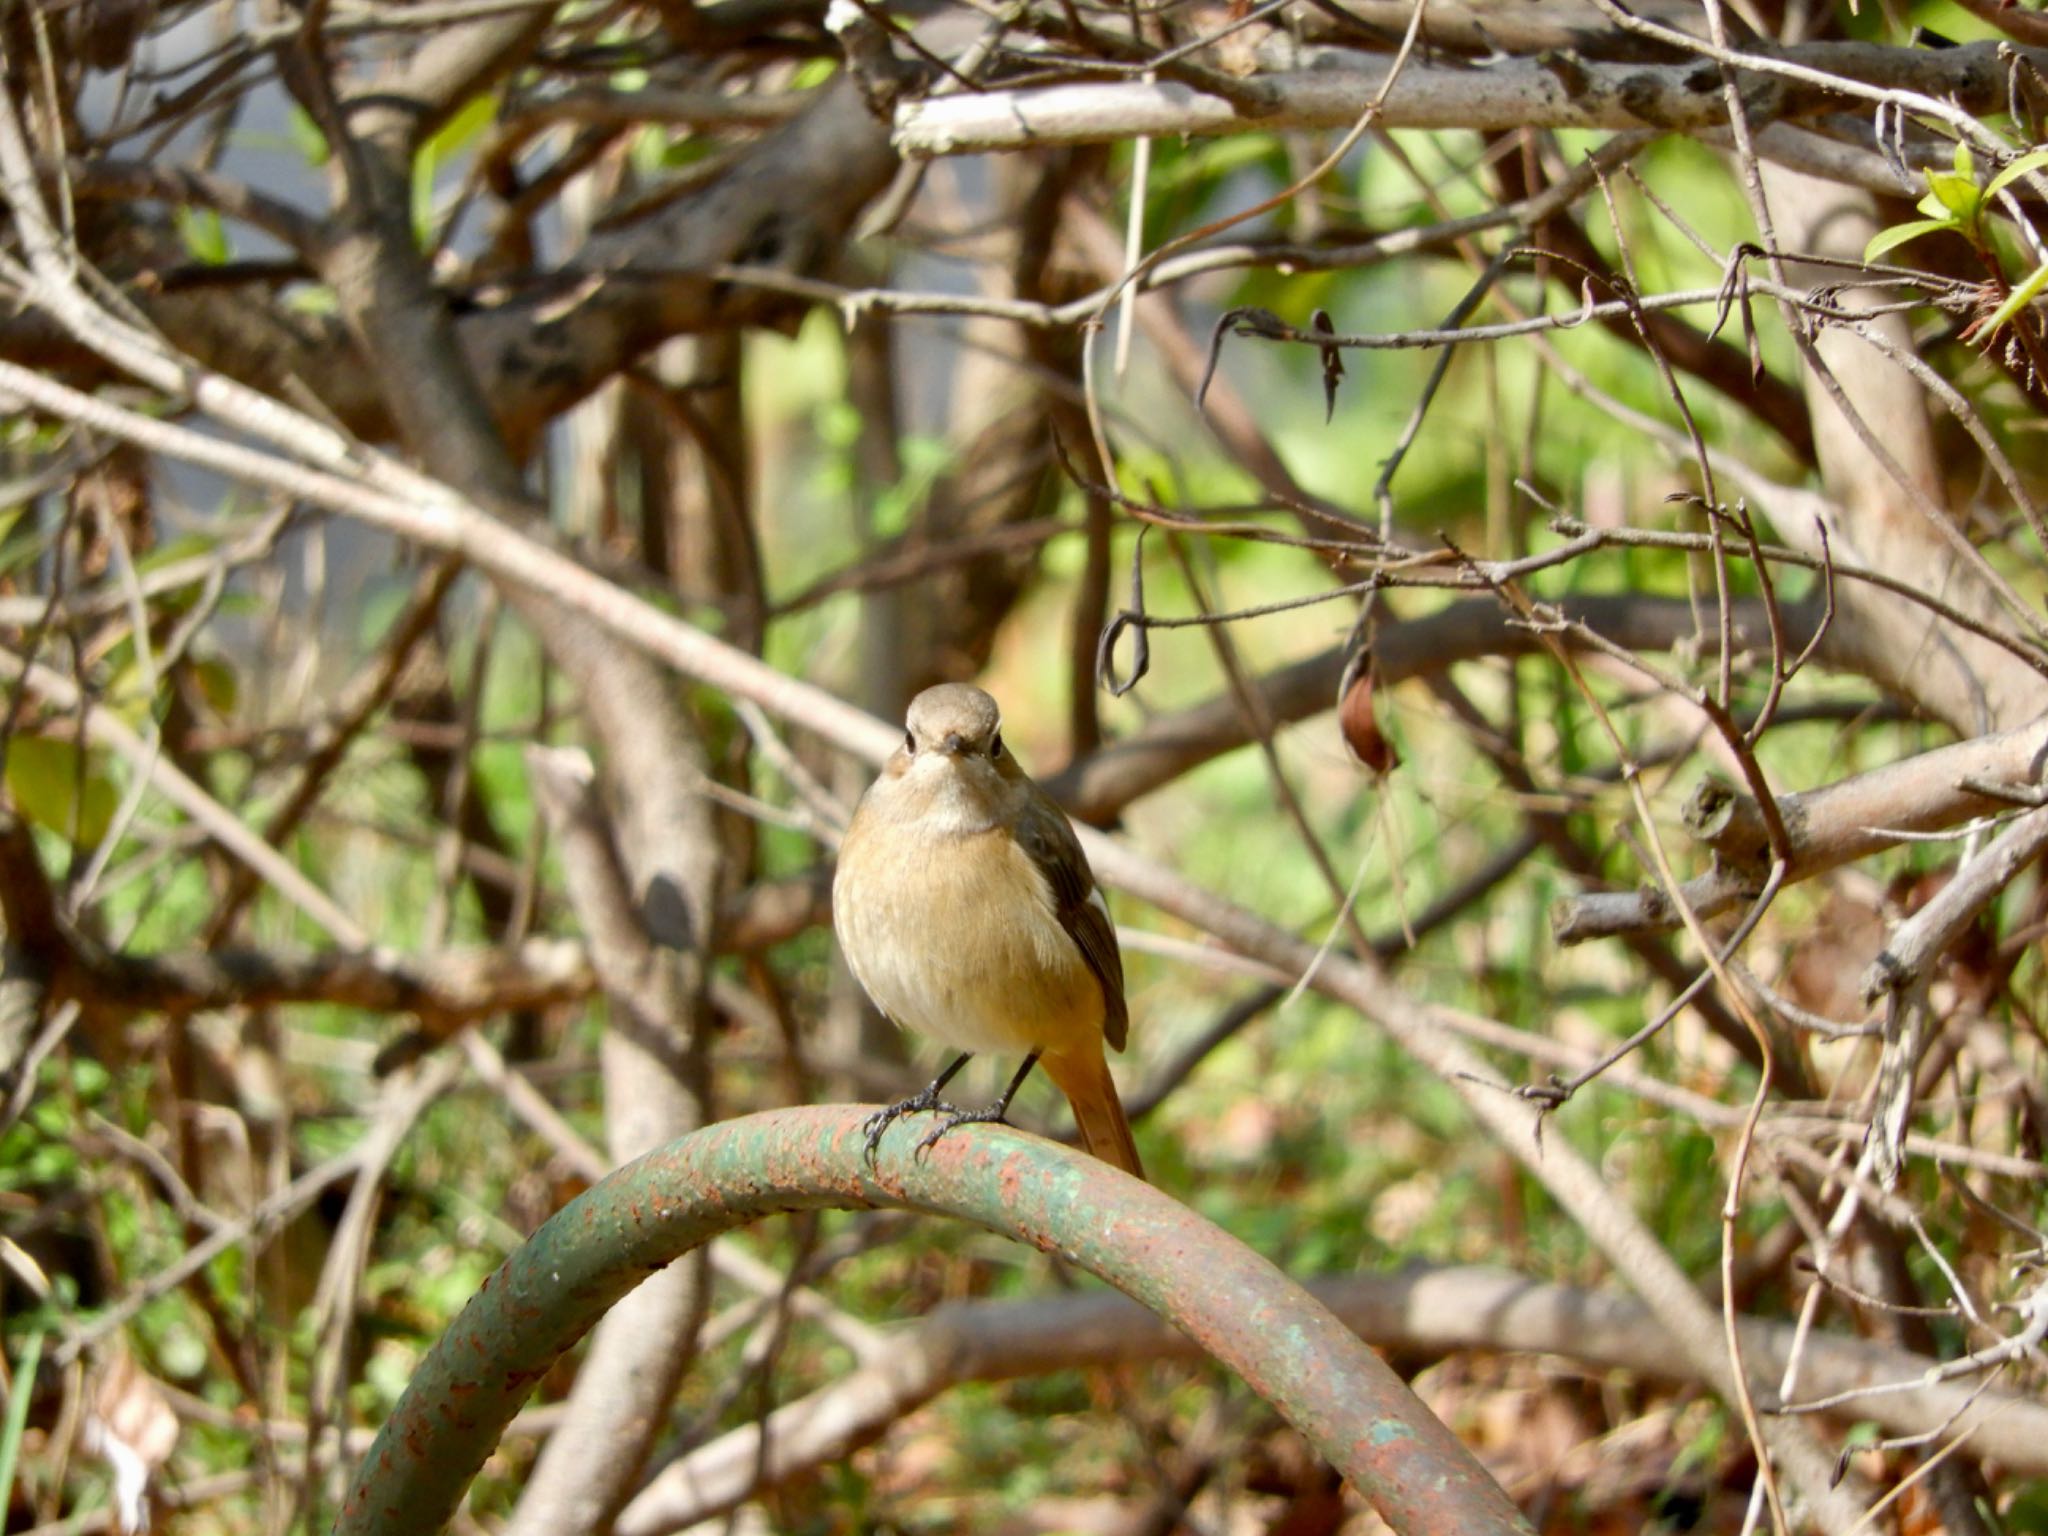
point(131, 1426)
point(1358, 722)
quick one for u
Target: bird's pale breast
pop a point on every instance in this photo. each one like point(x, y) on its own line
point(954, 935)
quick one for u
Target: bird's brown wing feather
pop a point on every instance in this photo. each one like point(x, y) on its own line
point(1044, 833)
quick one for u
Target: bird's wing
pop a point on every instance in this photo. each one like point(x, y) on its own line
point(1045, 834)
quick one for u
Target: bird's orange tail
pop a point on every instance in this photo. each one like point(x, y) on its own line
point(1084, 1078)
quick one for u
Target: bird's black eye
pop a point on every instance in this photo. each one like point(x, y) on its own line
point(995, 746)
point(910, 743)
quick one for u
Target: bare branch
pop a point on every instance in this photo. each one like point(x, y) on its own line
point(1828, 827)
point(1546, 92)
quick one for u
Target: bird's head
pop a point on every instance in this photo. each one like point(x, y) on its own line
point(952, 762)
point(955, 720)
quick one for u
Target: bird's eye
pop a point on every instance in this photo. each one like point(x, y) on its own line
point(910, 743)
point(995, 746)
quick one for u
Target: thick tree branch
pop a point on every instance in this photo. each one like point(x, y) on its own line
point(445, 990)
point(1828, 827)
point(1547, 91)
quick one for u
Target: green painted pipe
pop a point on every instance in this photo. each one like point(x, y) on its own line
point(1236, 1305)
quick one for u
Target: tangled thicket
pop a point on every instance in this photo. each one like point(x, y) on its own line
point(1626, 418)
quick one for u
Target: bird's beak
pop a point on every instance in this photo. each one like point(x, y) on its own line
point(954, 744)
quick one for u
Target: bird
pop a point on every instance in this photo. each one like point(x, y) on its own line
point(967, 911)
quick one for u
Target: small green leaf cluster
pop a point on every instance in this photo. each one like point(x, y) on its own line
point(1955, 202)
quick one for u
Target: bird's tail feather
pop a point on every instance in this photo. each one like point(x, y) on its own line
point(1084, 1078)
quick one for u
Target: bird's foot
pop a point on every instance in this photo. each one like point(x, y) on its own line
point(879, 1122)
point(993, 1114)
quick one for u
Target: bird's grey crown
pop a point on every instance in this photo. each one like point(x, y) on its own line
point(953, 709)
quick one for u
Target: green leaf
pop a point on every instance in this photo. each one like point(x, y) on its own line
point(1958, 194)
point(2026, 1512)
point(647, 151)
point(54, 789)
point(306, 136)
point(681, 151)
point(2026, 164)
point(184, 547)
point(467, 125)
point(1891, 239)
point(837, 423)
point(310, 299)
point(218, 684)
point(16, 553)
point(425, 165)
point(1209, 161)
point(925, 459)
point(2015, 301)
point(453, 137)
point(16, 1423)
point(205, 237)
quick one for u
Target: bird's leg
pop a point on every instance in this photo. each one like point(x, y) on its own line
point(992, 1115)
point(928, 1098)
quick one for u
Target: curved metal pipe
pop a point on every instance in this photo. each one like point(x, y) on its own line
point(1287, 1345)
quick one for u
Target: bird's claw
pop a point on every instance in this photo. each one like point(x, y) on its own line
point(877, 1124)
point(993, 1114)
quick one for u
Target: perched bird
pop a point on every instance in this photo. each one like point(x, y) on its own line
point(968, 912)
